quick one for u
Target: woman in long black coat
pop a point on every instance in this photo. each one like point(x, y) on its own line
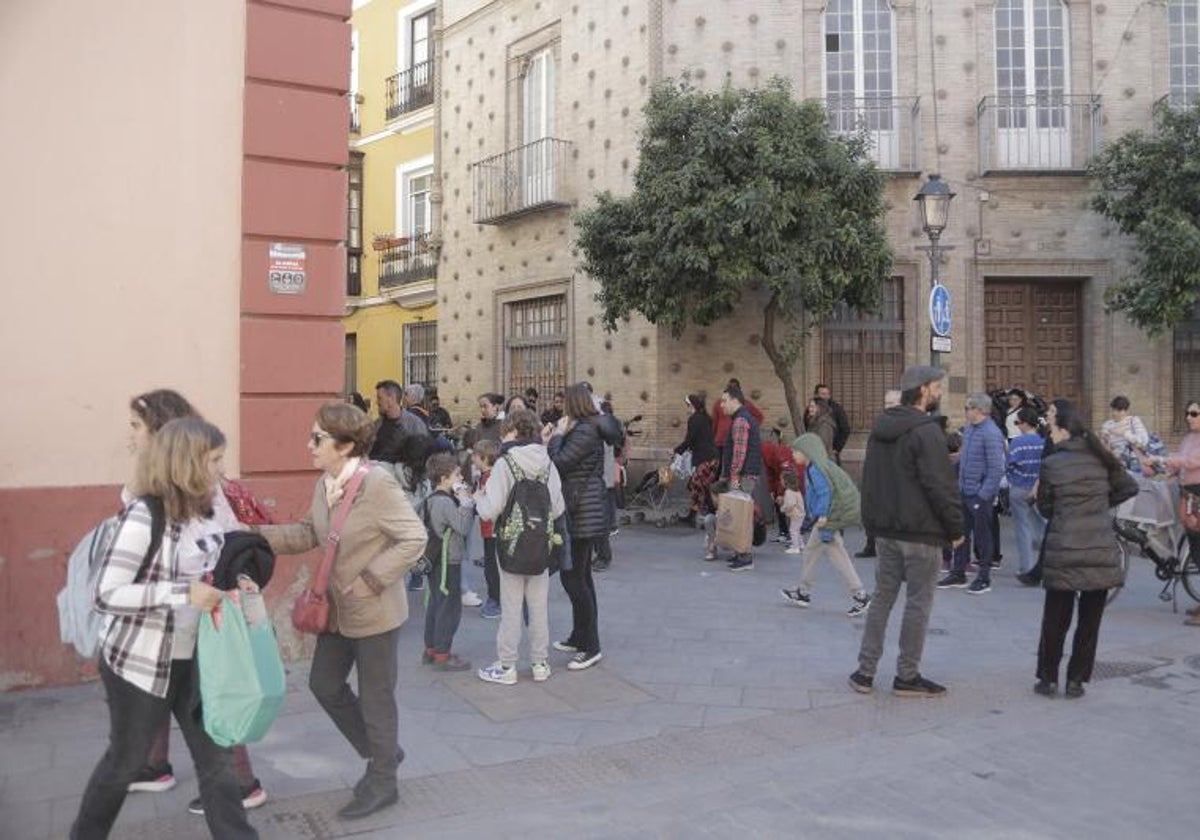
point(1080, 483)
point(577, 450)
point(706, 461)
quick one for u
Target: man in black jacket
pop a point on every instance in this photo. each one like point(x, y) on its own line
point(842, 435)
point(910, 506)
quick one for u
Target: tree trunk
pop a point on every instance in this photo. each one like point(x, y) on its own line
point(783, 368)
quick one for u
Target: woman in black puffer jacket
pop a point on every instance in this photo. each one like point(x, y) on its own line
point(1079, 485)
point(577, 450)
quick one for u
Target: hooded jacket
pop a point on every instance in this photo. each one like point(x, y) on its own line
point(829, 491)
point(910, 492)
point(533, 460)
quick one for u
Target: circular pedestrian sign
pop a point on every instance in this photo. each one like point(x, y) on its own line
point(940, 310)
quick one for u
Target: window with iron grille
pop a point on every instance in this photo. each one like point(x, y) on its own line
point(1187, 367)
point(1183, 33)
point(864, 354)
point(420, 354)
point(535, 345)
point(354, 239)
point(351, 363)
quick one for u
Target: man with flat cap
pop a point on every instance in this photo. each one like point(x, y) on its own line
point(910, 505)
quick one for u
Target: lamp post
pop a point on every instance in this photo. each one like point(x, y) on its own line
point(934, 201)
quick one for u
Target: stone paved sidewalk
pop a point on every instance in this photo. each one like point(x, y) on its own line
point(718, 711)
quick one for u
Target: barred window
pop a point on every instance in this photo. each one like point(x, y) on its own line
point(351, 363)
point(864, 354)
point(535, 345)
point(354, 207)
point(1187, 367)
point(1183, 34)
point(420, 354)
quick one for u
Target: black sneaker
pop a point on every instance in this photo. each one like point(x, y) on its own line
point(1074, 689)
point(1026, 579)
point(953, 580)
point(153, 779)
point(861, 683)
point(796, 597)
point(997, 560)
point(253, 796)
point(741, 563)
point(864, 554)
point(601, 565)
point(859, 605)
point(1046, 688)
point(979, 586)
point(918, 686)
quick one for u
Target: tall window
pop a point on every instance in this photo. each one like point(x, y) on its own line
point(420, 354)
point(537, 124)
point(1187, 367)
point(535, 345)
point(1183, 27)
point(864, 354)
point(351, 363)
point(354, 240)
point(420, 38)
point(1031, 62)
point(858, 60)
point(418, 203)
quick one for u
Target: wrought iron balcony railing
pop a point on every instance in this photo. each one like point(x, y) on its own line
point(410, 89)
point(1052, 133)
point(892, 125)
point(404, 260)
point(522, 180)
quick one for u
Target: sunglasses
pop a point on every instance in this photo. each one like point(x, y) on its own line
point(316, 437)
point(1193, 413)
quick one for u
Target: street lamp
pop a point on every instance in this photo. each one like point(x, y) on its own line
point(934, 201)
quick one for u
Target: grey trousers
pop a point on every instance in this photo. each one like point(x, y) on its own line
point(916, 566)
point(515, 590)
point(369, 721)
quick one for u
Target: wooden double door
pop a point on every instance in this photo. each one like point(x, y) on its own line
point(1034, 337)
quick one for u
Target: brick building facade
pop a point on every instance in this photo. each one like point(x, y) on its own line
point(539, 108)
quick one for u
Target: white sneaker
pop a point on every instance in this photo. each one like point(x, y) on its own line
point(793, 549)
point(500, 673)
point(471, 599)
point(541, 671)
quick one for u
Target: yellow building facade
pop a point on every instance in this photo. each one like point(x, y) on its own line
point(391, 313)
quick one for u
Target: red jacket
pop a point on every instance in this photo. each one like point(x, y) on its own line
point(721, 421)
point(777, 458)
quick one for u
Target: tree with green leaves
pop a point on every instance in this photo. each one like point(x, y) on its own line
point(740, 193)
point(1150, 186)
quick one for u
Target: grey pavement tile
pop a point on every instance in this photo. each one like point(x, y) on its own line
point(669, 714)
point(554, 730)
point(28, 819)
point(722, 715)
point(28, 756)
point(615, 732)
point(775, 698)
point(482, 752)
point(709, 695)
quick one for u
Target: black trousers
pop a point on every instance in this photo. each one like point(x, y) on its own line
point(134, 720)
point(1056, 620)
point(444, 610)
point(491, 569)
point(581, 590)
point(368, 720)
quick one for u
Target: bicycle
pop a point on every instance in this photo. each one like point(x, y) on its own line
point(1172, 568)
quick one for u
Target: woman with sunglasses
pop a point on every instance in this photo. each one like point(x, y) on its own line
point(381, 540)
point(1186, 464)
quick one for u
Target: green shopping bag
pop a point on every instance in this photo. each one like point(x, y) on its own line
point(241, 676)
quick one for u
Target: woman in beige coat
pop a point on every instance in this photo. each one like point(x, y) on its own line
point(382, 539)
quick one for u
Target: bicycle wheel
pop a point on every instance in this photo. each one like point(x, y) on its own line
point(1123, 556)
point(1189, 568)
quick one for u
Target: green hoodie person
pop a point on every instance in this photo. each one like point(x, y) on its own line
point(829, 491)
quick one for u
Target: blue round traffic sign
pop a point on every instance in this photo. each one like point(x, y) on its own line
point(940, 310)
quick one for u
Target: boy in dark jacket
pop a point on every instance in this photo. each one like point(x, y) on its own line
point(449, 515)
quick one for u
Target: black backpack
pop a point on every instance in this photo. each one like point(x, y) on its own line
point(525, 536)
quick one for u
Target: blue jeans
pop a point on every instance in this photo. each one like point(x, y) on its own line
point(977, 518)
point(1031, 528)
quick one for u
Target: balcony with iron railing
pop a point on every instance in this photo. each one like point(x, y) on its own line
point(892, 125)
point(1038, 134)
point(404, 260)
point(410, 89)
point(1178, 100)
point(523, 180)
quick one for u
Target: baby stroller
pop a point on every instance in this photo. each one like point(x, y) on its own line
point(653, 492)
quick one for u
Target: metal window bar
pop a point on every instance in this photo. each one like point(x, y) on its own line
point(521, 180)
point(1042, 132)
point(408, 260)
point(892, 125)
point(420, 354)
point(536, 345)
point(863, 354)
point(409, 89)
